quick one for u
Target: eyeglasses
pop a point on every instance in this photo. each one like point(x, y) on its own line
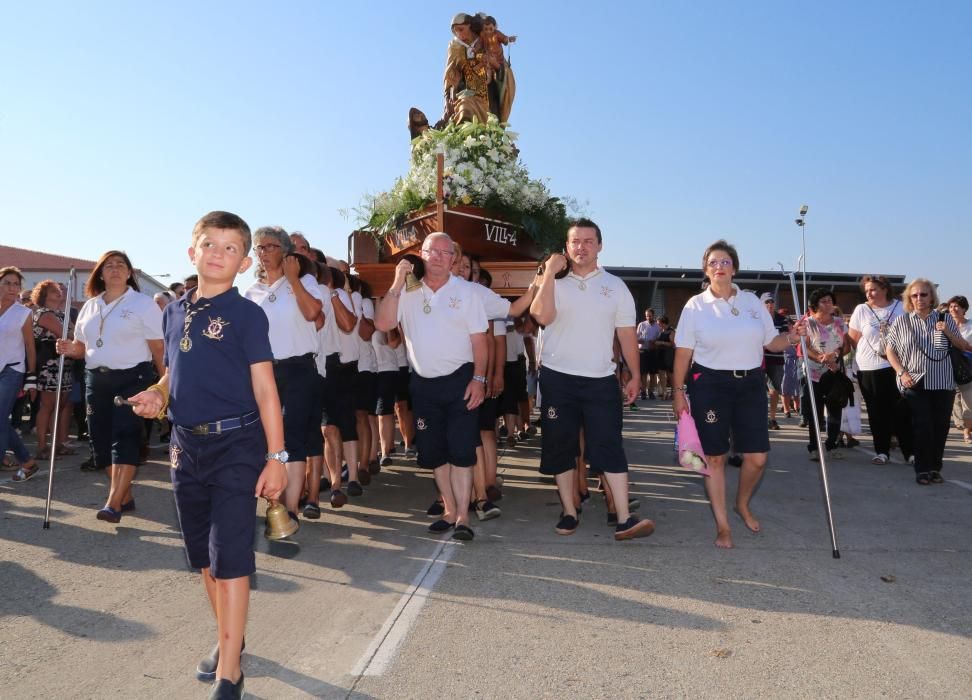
point(14, 283)
point(919, 295)
point(263, 248)
point(438, 253)
point(719, 263)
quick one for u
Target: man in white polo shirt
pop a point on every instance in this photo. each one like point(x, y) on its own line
point(581, 314)
point(444, 324)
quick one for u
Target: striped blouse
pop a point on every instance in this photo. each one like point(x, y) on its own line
point(923, 351)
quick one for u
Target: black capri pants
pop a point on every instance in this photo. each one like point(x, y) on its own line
point(297, 383)
point(339, 403)
point(115, 431)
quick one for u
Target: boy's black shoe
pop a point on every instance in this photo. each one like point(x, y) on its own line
point(206, 670)
point(227, 690)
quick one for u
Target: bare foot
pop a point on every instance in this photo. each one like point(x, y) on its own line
point(724, 539)
point(747, 517)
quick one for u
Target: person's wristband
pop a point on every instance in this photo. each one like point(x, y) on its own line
point(682, 388)
point(164, 392)
point(479, 378)
point(902, 373)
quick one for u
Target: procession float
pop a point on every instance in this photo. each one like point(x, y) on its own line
point(465, 177)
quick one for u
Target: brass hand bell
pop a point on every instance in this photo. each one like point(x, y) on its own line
point(412, 282)
point(280, 525)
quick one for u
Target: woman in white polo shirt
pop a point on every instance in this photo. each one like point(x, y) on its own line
point(18, 367)
point(722, 334)
point(119, 335)
point(291, 299)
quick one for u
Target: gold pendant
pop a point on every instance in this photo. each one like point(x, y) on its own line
point(272, 298)
point(100, 343)
point(185, 344)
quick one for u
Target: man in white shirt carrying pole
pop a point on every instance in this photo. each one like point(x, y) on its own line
point(444, 324)
point(581, 314)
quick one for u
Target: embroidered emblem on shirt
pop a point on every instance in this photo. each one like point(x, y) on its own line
point(174, 452)
point(127, 314)
point(754, 314)
point(606, 291)
point(214, 331)
point(711, 417)
point(421, 424)
point(455, 302)
point(552, 413)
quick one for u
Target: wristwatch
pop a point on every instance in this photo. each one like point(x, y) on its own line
point(334, 293)
point(281, 456)
point(479, 378)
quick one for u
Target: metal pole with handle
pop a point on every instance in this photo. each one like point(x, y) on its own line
point(57, 402)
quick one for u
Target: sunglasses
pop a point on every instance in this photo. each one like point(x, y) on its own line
point(919, 295)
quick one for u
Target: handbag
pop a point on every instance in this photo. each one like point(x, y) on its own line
point(837, 387)
point(961, 367)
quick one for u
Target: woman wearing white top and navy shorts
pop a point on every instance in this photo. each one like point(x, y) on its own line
point(119, 335)
point(722, 333)
point(291, 300)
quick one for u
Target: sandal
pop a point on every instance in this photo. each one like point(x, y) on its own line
point(65, 451)
point(923, 478)
point(26, 472)
point(936, 478)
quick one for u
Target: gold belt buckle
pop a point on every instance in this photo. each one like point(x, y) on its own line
point(202, 429)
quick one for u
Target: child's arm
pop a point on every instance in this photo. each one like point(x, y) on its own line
point(273, 478)
point(151, 402)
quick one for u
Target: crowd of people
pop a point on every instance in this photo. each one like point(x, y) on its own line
point(296, 386)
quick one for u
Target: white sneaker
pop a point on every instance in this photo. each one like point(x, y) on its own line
point(880, 459)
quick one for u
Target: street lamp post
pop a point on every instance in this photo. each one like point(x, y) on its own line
point(801, 221)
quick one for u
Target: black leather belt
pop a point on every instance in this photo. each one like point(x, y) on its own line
point(735, 373)
point(294, 359)
point(221, 426)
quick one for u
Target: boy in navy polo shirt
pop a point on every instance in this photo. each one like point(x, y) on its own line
point(225, 412)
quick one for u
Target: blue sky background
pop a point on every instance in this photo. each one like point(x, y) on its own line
point(676, 123)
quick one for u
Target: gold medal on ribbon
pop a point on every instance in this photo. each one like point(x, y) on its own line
point(185, 345)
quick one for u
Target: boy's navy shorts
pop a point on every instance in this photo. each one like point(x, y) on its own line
point(724, 404)
point(571, 403)
point(296, 379)
point(366, 392)
point(385, 401)
point(214, 479)
point(339, 397)
point(446, 432)
point(116, 432)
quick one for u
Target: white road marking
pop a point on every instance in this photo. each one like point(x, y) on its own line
point(381, 652)
point(963, 484)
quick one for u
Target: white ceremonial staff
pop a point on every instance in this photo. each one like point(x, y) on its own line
point(57, 402)
point(813, 410)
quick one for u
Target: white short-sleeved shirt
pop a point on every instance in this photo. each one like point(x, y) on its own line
point(128, 322)
point(494, 305)
point(721, 340)
point(868, 321)
point(367, 361)
point(320, 358)
point(438, 341)
point(385, 355)
point(514, 344)
point(348, 342)
point(12, 350)
point(291, 335)
point(580, 340)
point(330, 332)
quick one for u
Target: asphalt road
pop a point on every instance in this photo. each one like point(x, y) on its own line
point(368, 604)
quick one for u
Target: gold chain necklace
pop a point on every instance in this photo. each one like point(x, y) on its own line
point(185, 345)
point(104, 317)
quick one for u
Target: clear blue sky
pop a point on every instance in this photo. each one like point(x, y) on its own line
point(677, 123)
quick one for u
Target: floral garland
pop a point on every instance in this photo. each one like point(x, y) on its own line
point(482, 168)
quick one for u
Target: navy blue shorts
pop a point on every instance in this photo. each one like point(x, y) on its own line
point(214, 478)
point(315, 436)
point(366, 392)
point(296, 379)
point(488, 413)
point(116, 432)
point(774, 376)
point(514, 386)
point(446, 432)
point(723, 404)
point(571, 403)
point(339, 397)
point(385, 400)
point(403, 390)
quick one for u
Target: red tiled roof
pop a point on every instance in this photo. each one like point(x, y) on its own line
point(30, 260)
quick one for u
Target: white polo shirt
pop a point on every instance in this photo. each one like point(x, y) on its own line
point(438, 341)
point(367, 361)
point(402, 354)
point(350, 348)
point(514, 344)
point(720, 339)
point(12, 338)
point(330, 334)
point(291, 335)
point(494, 305)
point(868, 321)
point(123, 326)
point(580, 341)
point(385, 356)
